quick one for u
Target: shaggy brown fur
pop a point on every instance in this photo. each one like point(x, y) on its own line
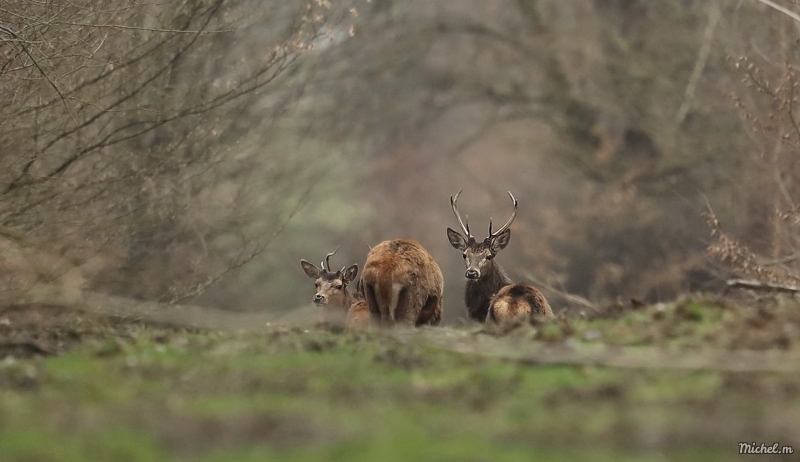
point(358, 317)
point(518, 302)
point(402, 284)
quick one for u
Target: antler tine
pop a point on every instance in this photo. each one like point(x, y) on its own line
point(328, 260)
point(508, 223)
point(454, 205)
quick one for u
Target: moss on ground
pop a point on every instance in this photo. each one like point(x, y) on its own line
point(127, 392)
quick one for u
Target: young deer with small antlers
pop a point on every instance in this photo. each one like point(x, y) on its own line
point(402, 284)
point(490, 295)
point(339, 305)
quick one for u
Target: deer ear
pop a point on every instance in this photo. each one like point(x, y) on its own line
point(350, 274)
point(456, 239)
point(311, 270)
point(501, 241)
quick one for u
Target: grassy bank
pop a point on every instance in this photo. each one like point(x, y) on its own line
point(76, 387)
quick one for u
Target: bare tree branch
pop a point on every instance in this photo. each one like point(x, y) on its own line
point(783, 10)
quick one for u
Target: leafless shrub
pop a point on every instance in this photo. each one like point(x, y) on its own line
point(131, 133)
point(768, 104)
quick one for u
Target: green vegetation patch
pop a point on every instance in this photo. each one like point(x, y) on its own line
point(136, 392)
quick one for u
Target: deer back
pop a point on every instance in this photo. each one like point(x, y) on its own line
point(358, 317)
point(518, 302)
point(402, 283)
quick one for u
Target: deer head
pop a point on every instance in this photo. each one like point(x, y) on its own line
point(331, 286)
point(478, 255)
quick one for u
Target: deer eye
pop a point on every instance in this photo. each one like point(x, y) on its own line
point(465, 256)
point(489, 257)
point(338, 287)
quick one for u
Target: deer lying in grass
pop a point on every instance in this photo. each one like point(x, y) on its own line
point(490, 295)
point(518, 302)
point(402, 284)
point(340, 307)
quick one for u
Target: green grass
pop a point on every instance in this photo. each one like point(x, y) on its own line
point(146, 393)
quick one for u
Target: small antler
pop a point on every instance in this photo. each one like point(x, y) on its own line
point(492, 235)
point(328, 260)
point(454, 205)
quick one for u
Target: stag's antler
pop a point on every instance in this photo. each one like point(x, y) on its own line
point(328, 260)
point(508, 223)
point(454, 205)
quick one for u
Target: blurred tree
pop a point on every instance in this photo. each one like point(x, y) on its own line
point(609, 120)
point(767, 61)
point(148, 149)
point(131, 137)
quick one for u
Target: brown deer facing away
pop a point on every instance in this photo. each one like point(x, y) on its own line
point(339, 305)
point(490, 295)
point(402, 284)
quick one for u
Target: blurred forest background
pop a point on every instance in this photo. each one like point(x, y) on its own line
point(198, 149)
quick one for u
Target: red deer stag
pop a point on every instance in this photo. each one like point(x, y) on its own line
point(490, 294)
point(339, 305)
point(402, 284)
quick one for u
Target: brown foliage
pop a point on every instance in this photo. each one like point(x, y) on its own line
point(767, 100)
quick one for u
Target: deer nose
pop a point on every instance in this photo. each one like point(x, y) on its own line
point(472, 274)
point(319, 298)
